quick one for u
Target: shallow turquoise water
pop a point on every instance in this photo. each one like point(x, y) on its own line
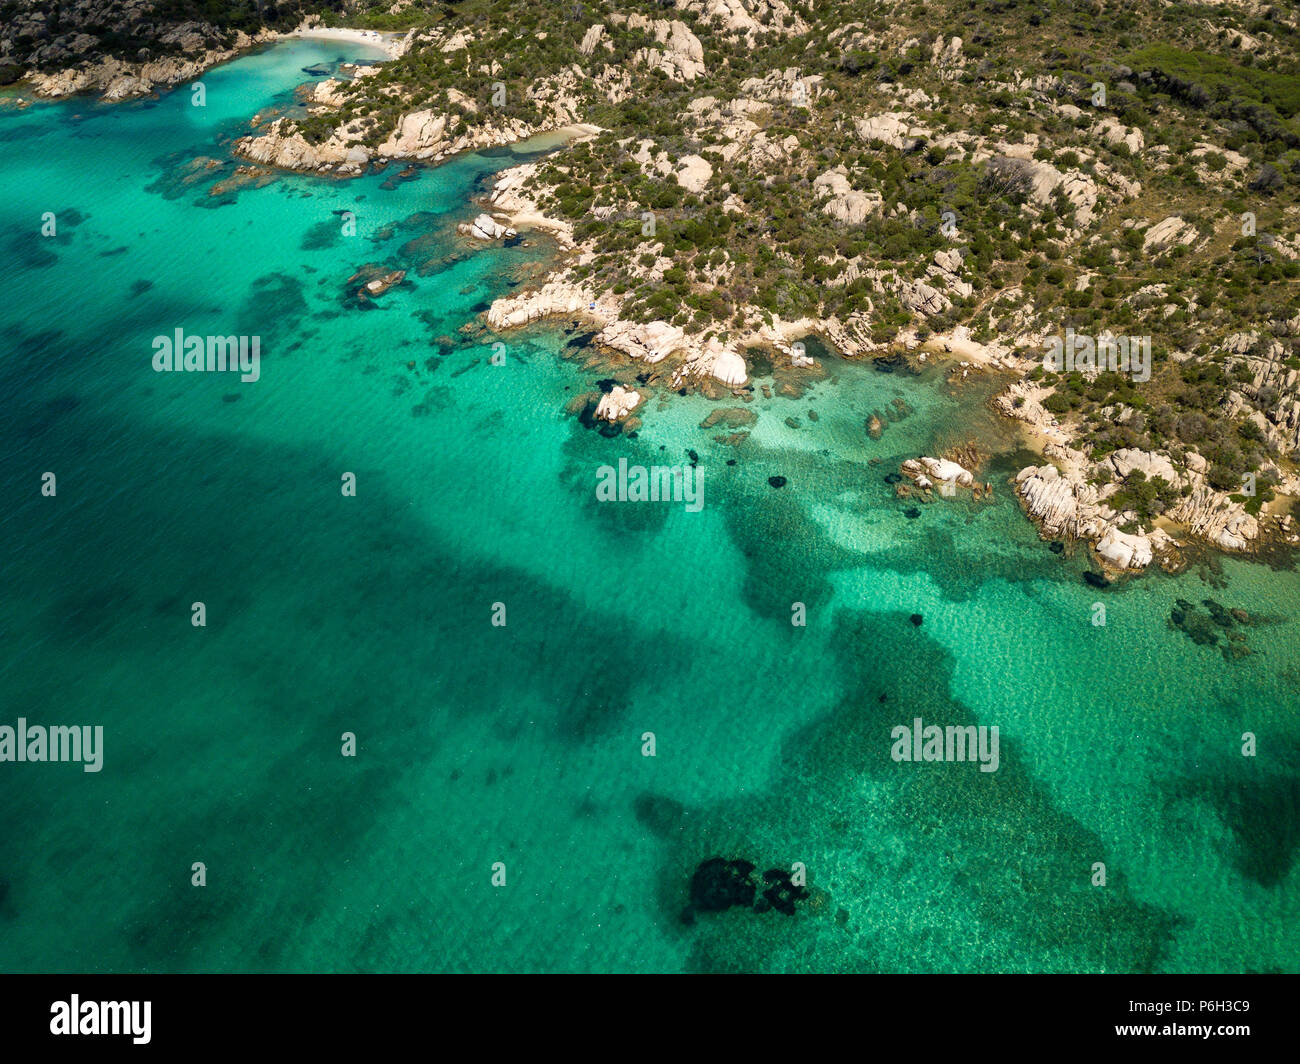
point(522, 744)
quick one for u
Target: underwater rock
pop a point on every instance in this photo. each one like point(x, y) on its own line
point(1095, 579)
point(893, 478)
point(912, 513)
point(731, 417)
point(918, 619)
point(777, 482)
point(1194, 624)
point(718, 884)
point(782, 893)
point(874, 427)
point(1204, 626)
point(1218, 614)
point(1056, 546)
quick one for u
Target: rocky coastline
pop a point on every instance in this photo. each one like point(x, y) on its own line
point(74, 63)
point(115, 80)
point(1059, 495)
point(1071, 493)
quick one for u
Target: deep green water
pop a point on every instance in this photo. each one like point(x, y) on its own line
point(522, 744)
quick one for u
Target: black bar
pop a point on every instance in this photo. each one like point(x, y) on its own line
point(342, 1013)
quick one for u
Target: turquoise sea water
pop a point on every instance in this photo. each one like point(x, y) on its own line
point(522, 744)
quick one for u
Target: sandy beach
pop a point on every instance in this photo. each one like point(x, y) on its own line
point(390, 42)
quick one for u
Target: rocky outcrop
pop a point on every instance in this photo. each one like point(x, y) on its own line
point(485, 227)
point(1120, 550)
point(921, 298)
point(734, 131)
point(591, 38)
point(926, 472)
point(1068, 505)
point(1216, 165)
point(376, 280)
point(1055, 502)
point(1064, 507)
point(281, 144)
point(1212, 516)
point(727, 366)
point(947, 57)
point(423, 135)
point(1040, 180)
point(1128, 460)
point(420, 134)
point(512, 197)
point(617, 404)
point(327, 94)
point(681, 55)
point(1164, 235)
point(553, 299)
point(894, 129)
point(692, 172)
point(650, 342)
point(748, 19)
point(656, 340)
point(843, 201)
point(787, 86)
point(431, 135)
point(1274, 386)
